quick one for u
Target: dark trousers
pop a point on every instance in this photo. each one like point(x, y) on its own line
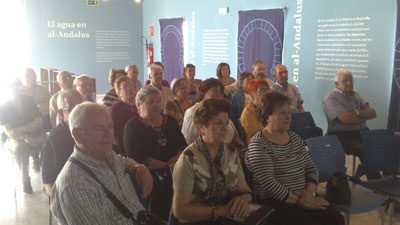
point(352, 145)
point(351, 142)
point(291, 214)
point(161, 196)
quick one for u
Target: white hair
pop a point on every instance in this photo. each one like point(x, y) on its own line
point(341, 73)
point(130, 66)
point(82, 112)
point(144, 92)
point(64, 98)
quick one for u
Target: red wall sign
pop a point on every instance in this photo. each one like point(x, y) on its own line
point(152, 31)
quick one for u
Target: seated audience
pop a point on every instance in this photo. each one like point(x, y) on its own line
point(164, 82)
point(208, 177)
point(156, 75)
point(111, 96)
point(239, 99)
point(347, 113)
point(283, 173)
point(123, 110)
point(259, 72)
point(59, 145)
point(224, 74)
point(177, 107)
point(83, 191)
point(132, 72)
point(189, 72)
point(64, 80)
point(210, 88)
point(39, 93)
point(282, 85)
point(22, 124)
point(251, 119)
point(156, 141)
point(84, 85)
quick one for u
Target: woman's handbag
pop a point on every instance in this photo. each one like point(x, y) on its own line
point(338, 189)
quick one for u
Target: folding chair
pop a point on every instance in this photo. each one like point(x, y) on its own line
point(381, 154)
point(329, 157)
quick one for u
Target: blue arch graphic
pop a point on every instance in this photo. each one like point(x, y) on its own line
point(173, 30)
point(270, 30)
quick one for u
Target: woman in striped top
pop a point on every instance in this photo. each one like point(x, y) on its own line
point(282, 170)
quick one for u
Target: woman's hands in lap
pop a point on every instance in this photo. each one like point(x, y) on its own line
point(238, 207)
point(309, 201)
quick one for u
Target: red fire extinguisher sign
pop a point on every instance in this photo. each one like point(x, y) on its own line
point(150, 56)
point(152, 31)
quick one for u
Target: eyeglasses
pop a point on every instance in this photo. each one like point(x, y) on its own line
point(347, 80)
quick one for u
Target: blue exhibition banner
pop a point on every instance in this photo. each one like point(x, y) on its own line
point(260, 37)
point(394, 107)
point(171, 47)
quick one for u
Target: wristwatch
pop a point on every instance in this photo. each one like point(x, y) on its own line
point(357, 112)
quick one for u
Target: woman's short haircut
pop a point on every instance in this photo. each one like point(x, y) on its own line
point(242, 77)
point(144, 92)
point(176, 84)
point(112, 75)
point(207, 85)
point(209, 108)
point(253, 85)
point(81, 112)
point(190, 66)
point(219, 68)
point(119, 81)
point(270, 101)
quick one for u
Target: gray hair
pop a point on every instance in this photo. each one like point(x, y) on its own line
point(58, 78)
point(144, 92)
point(176, 84)
point(82, 112)
point(341, 73)
point(130, 66)
point(155, 66)
point(64, 98)
point(80, 77)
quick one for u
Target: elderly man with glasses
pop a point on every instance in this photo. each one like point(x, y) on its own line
point(347, 113)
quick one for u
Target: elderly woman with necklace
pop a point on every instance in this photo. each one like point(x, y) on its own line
point(156, 141)
point(208, 177)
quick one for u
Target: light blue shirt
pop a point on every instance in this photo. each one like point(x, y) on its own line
point(337, 102)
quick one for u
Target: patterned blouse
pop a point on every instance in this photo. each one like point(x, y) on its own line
point(176, 108)
point(192, 174)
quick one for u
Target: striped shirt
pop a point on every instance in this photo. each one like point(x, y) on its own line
point(276, 169)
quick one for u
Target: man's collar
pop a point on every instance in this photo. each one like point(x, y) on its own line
point(343, 93)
